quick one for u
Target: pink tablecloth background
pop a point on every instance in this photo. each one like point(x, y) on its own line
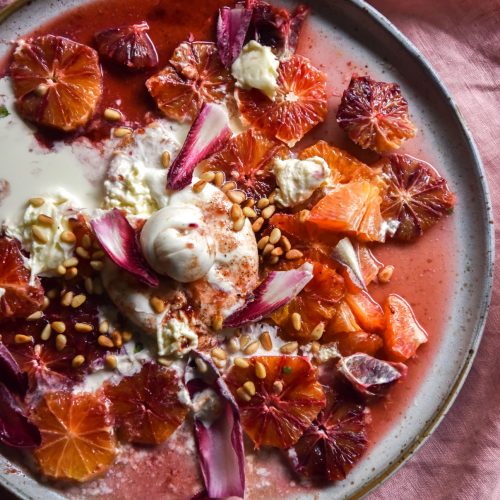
point(461, 39)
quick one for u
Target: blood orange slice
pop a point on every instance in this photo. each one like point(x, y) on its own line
point(19, 297)
point(416, 196)
point(57, 82)
point(246, 159)
point(375, 114)
point(299, 105)
point(285, 401)
point(77, 439)
point(194, 76)
point(334, 443)
point(146, 406)
point(354, 342)
point(403, 335)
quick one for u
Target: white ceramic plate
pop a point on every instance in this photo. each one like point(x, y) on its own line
point(361, 33)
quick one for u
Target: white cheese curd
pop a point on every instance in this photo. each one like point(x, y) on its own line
point(50, 252)
point(297, 179)
point(256, 67)
point(177, 243)
point(2, 292)
point(176, 338)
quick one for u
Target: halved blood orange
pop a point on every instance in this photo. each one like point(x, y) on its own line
point(285, 401)
point(57, 82)
point(77, 438)
point(20, 298)
point(246, 159)
point(403, 334)
point(375, 114)
point(352, 208)
point(417, 196)
point(146, 405)
point(299, 105)
point(335, 441)
point(194, 76)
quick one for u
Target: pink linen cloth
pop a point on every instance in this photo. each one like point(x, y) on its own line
point(461, 40)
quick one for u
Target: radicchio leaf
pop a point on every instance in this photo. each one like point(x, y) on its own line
point(15, 428)
point(345, 254)
point(279, 288)
point(232, 27)
point(119, 240)
point(209, 132)
point(10, 373)
point(218, 432)
point(368, 375)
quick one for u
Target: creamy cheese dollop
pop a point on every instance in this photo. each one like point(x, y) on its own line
point(176, 338)
point(256, 67)
point(176, 242)
point(297, 179)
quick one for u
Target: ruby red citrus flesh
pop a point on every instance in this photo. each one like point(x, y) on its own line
point(20, 298)
point(403, 334)
point(375, 114)
point(285, 402)
point(416, 196)
point(146, 406)
point(77, 438)
point(334, 443)
point(194, 76)
point(355, 342)
point(57, 82)
point(299, 105)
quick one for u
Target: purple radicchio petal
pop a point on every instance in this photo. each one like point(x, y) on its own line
point(345, 254)
point(232, 27)
point(208, 134)
point(10, 372)
point(368, 375)
point(218, 432)
point(15, 428)
point(279, 288)
point(119, 240)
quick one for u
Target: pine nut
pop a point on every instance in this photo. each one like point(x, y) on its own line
point(46, 303)
point(219, 363)
point(252, 348)
point(289, 347)
point(36, 202)
point(217, 322)
point(58, 326)
point(238, 224)
point(275, 236)
point(318, 331)
point(82, 252)
point(271, 197)
point(126, 335)
point(244, 340)
point(157, 304)
point(52, 293)
point(111, 361)
point(236, 196)
point(278, 387)
point(112, 115)
point(217, 352)
point(117, 339)
point(97, 255)
point(249, 212)
point(233, 345)
point(66, 299)
point(294, 254)
point(199, 186)
point(207, 176)
point(61, 270)
point(61, 341)
point(236, 212)
point(71, 273)
point(39, 235)
point(22, 339)
point(87, 282)
point(315, 347)
point(249, 387)
point(78, 300)
point(267, 249)
point(385, 274)
point(104, 341)
point(262, 203)
point(77, 361)
point(97, 265)
point(273, 259)
point(263, 242)
point(35, 315)
point(250, 203)
point(71, 262)
point(260, 370)
point(228, 186)
point(241, 363)
point(104, 327)
point(83, 327)
point(122, 132)
point(268, 211)
point(68, 237)
point(86, 241)
point(277, 252)
point(219, 179)
point(46, 332)
point(243, 395)
point(285, 243)
point(45, 220)
point(165, 159)
point(257, 225)
point(296, 321)
point(201, 365)
point(266, 341)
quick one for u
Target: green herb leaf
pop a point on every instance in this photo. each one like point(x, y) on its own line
point(287, 370)
point(3, 111)
point(138, 347)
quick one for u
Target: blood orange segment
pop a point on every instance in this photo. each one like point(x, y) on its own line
point(246, 159)
point(57, 82)
point(335, 441)
point(146, 406)
point(344, 321)
point(375, 114)
point(299, 105)
point(77, 439)
point(417, 197)
point(19, 297)
point(354, 342)
point(403, 334)
point(194, 76)
point(368, 313)
point(352, 208)
point(285, 402)
point(369, 264)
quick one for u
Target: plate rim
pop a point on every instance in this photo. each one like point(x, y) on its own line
point(488, 226)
